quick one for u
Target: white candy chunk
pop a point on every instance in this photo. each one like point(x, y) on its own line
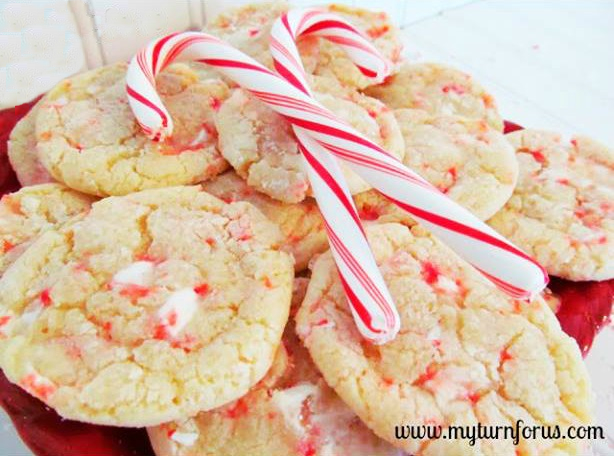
point(185, 438)
point(140, 273)
point(446, 284)
point(178, 310)
point(434, 333)
point(290, 404)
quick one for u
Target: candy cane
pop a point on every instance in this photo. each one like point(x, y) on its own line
point(504, 264)
point(321, 136)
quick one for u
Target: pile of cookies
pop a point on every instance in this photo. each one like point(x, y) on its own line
point(186, 286)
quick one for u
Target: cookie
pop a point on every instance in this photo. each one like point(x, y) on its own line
point(562, 211)
point(290, 412)
point(466, 159)
point(438, 89)
point(88, 138)
point(260, 145)
point(153, 307)
point(301, 224)
point(248, 28)
point(26, 214)
point(466, 353)
point(22, 151)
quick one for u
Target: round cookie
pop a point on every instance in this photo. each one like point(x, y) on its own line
point(29, 212)
point(301, 224)
point(22, 152)
point(89, 139)
point(248, 28)
point(153, 307)
point(466, 353)
point(438, 89)
point(562, 210)
point(290, 412)
point(465, 158)
point(261, 147)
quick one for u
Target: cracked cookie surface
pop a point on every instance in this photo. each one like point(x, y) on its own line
point(466, 353)
point(29, 212)
point(301, 224)
point(248, 28)
point(152, 307)
point(89, 139)
point(22, 152)
point(438, 89)
point(290, 412)
point(260, 145)
point(464, 158)
point(562, 210)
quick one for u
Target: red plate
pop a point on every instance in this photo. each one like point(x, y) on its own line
point(585, 307)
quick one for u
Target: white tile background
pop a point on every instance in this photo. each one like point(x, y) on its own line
point(550, 64)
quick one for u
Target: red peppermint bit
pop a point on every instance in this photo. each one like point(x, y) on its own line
point(537, 155)
point(42, 391)
point(574, 142)
point(377, 31)
point(563, 181)
point(215, 103)
point(387, 381)
point(372, 113)
point(187, 343)
point(148, 257)
point(253, 32)
point(161, 332)
point(456, 88)
point(244, 236)
point(472, 397)
point(238, 409)
point(134, 291)
point(7, 246)
point(172, 318)
point(504, 356)
point(517, 305)
point(267, 282)
point(322, 322)
point(210, 241)
point(271, 415)
point(202, 289)
point(430, 273)
point(606, 206)
point(368, 212)
point(107, 326)
point(3, 321)
point(45, 297)
point(453, 172)
point(427, 376)
point(306, 447)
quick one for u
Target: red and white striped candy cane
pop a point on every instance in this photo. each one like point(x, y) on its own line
point(371, 304)
point(504, 264)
